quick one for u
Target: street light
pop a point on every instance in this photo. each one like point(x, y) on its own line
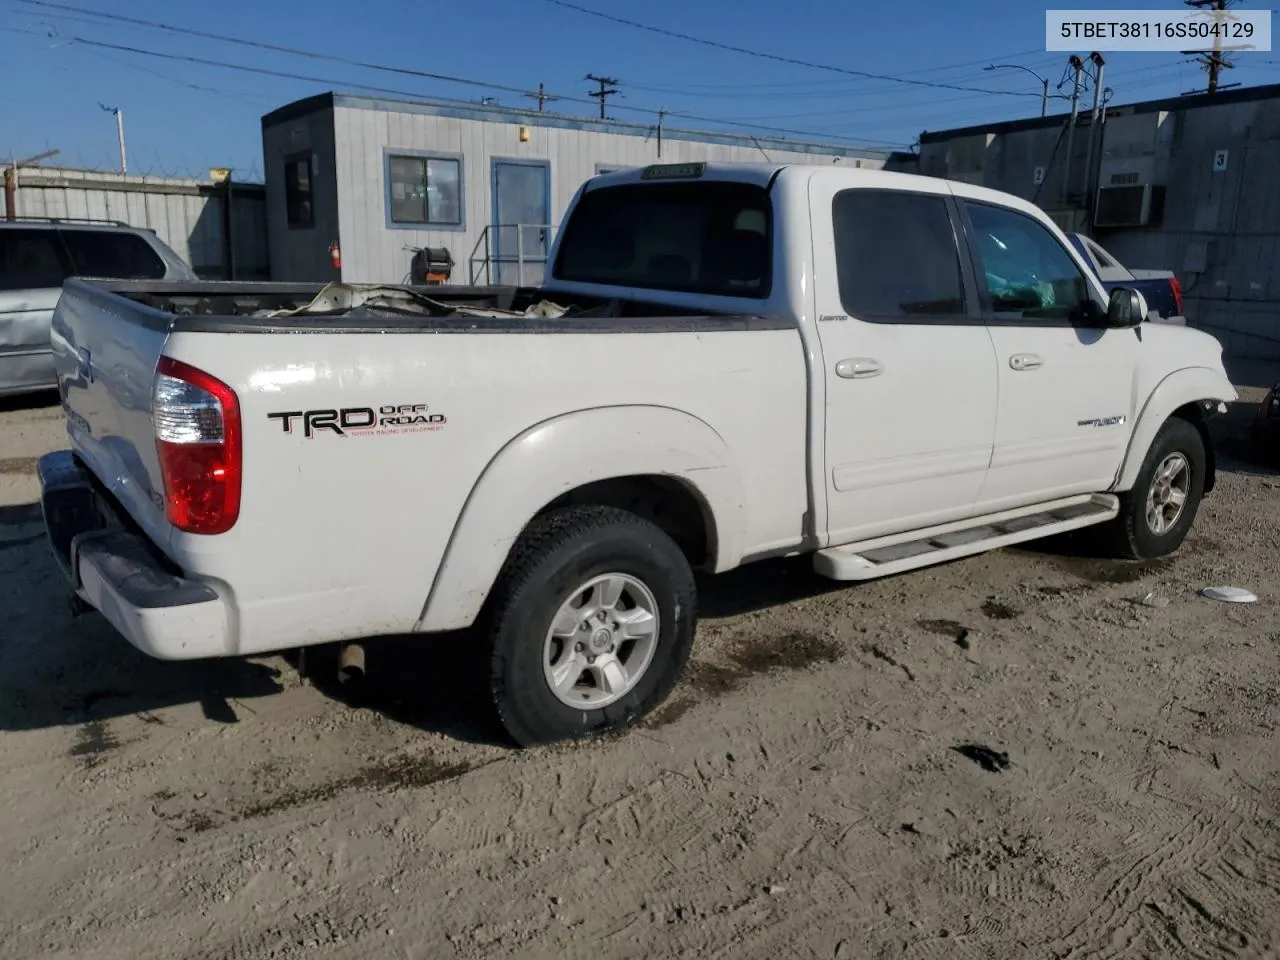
point(1044, 84)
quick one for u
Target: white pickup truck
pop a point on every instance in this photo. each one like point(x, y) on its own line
point(727, 362)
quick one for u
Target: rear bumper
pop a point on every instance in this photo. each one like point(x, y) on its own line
point(118, 572)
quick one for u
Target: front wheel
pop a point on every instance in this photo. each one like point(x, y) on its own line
point(1156, 515)
point(590, 624)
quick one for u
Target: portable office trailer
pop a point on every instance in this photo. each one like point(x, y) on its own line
point(365, 182)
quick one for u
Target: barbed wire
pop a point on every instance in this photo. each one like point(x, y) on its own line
point(101, 161)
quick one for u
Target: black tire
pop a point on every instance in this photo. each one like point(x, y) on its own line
point(556, 554)
point(1129, 536)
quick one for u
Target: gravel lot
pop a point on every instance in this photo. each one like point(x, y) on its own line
point(801, 795)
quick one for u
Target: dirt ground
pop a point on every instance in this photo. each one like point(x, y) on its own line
point(809, 791)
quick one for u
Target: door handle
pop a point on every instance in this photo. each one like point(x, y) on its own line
point(859, 368)
point(1025, 361)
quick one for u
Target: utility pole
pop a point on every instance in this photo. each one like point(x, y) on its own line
point(1212, 62)
point(608, 87)
point(124, 167)
point(1078, 66)
point(542, 97)
point(1095, 134)
point(662, 115)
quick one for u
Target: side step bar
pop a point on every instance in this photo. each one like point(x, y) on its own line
point(886, 556)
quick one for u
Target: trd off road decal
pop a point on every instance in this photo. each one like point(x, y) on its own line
point(362, 421)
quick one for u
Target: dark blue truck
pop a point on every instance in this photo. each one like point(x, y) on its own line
point(1161, 289)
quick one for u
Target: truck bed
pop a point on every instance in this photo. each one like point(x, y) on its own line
point(361, 436)
point(223, 307)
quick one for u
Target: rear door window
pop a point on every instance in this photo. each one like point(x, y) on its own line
point(707, 237)
point(106, 253)
point(30, 260)
point(897, 258)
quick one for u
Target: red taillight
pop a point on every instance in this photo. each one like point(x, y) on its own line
point(197, 423)
point(1177, 294)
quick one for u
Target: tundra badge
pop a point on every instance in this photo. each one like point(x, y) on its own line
point(1103, 421)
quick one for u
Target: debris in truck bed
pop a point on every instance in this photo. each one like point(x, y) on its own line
point(344, 297)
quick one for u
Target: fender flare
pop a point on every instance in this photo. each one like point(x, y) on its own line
point(1180, 388)
point(561, 454)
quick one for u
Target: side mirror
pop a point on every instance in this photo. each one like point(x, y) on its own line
point(1126, 308)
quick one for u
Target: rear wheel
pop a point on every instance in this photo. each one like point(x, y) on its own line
point(1156, 515)
point(590, 624)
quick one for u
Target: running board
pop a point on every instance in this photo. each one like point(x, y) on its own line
point(885, 556)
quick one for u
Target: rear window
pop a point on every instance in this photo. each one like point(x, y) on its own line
point(706, 237)
point(30, 260)
point(105, 253)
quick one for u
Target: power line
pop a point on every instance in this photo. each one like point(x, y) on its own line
point(823, 87)
point(226, 94)
point(776, 58)
point(328, 81)
point(314, 55)
point(293, 51)
point(275, 48)
point(878, 108)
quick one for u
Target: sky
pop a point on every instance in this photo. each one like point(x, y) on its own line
point(181, 117)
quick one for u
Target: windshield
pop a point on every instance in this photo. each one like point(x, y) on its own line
point(705, 237)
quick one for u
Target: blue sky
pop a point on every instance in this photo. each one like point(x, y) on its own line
point(182, 118)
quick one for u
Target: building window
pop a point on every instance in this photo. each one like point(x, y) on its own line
point(425, 190)
point(299, 208)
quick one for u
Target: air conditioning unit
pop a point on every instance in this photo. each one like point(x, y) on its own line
point(1130, 205)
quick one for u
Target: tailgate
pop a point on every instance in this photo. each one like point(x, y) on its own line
point(105, 349)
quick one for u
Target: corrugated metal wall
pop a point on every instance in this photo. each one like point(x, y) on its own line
point(371, 251)
point(188, 215)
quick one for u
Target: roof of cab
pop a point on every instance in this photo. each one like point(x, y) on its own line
point(762, 174)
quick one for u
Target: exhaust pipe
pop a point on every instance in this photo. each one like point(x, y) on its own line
point(350, 664)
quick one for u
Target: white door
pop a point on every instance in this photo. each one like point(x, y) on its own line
point(1066, 380)
point(910, 369)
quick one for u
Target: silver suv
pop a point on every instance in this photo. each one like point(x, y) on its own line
point(36, 256)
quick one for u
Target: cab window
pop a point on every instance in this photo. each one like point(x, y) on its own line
point(710, 237)
point(1029, 275)
point(896, 257)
